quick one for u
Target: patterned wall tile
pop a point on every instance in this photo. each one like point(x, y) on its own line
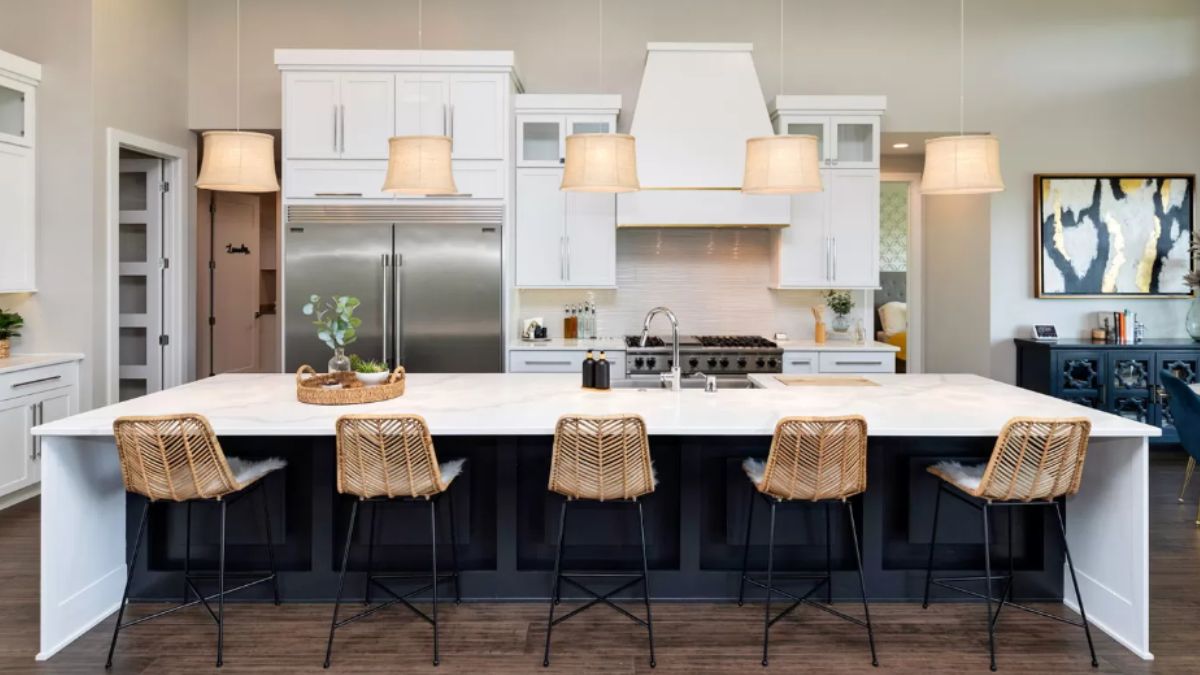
point(893, 227)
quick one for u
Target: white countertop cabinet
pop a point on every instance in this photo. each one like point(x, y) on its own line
point(18, 95)
point(34, 391)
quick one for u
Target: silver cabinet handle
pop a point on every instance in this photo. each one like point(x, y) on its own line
point(445, 119)
point(456, 195)
point(806, 362)
point(385, 260)
point(342, 127)
point(828, 260)
point(547, 363)
point(41, 406)
point(338, 194)
point(40, 380)
point(451, 134)
point(335, 129)
point(833, 256)
point(859, 363)
point(567, 256)
point(33, 421)
point(562, 258)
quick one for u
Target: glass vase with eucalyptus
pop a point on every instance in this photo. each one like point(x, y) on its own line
point(1191, 323)
point(336, 326)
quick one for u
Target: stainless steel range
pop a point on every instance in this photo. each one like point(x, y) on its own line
point(728, 357)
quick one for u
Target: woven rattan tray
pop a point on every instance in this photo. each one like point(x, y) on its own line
point(311, 388)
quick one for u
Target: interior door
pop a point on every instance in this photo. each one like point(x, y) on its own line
point(331, 260)
point(854, 227)
point(140, 277)
point(368, 114)
point(311, 115)
point(16, 445)
point(448, 287)
point(235, 338)
point(541, 210)
point(591, 239)
point(477, 118)
point(422, 104)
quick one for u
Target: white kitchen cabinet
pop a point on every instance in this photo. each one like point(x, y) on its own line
point(833, 361)
point(847, 126)
point(422, 104)
point(800, 363)
point(542, 138)
point(17, 98)
point(17, 459)
point(478, 115)
point(833, 238)
point(563, 239)
point(338, 115)
point(30, 397)
point(561, 361)
point(18, 120)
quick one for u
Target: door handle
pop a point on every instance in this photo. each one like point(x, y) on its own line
point(445, 119)
point(398, 305)
point(451, 133)
point(562, 258)
point(833, 256)
point(41, 416)
point(33, 422)
point(567, 255)
point(806, 362)
point(384, 264)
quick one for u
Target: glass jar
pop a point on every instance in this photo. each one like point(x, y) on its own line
point(1193, 319)
point(340, 363)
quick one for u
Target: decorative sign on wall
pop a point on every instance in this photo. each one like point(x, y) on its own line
point(1115, 235)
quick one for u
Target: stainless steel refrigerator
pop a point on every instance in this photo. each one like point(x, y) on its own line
point(431, 293)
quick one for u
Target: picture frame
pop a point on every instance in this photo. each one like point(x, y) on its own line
point(1095, 234)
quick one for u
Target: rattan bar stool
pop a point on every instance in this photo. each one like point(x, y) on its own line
point(812, 459)
point(176, 458)
point(602, 459)
point(387, 458)
point(1036, 463)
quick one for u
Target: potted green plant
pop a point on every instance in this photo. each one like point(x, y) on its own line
point(336, 326)
point(10, 327)
point(840, 303)
point(369, 372)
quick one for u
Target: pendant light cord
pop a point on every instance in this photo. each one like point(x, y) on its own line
point(237, 74)
point(420, 26)
point(962, 65)
point(780, 89)
point(600, 45)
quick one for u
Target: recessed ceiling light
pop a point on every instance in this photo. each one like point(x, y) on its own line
point(899, 146)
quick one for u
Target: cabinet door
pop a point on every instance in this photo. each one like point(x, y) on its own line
point(422, 104)
point(590, 124)
point(540, 237)
point(854, 142)
point(311, 115)
point(591, 239)
point(16, 445)
point(810, 125)
point(800, 363)
point(541, 140)
point(1080, 377)
point(367, 114)
point(16, 112)
point(16, 219)
point(52, 406)
point(1130, 379)
point(802, 248)
point(854, 227)
point(477, 116)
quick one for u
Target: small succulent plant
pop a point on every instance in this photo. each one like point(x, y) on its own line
point(361, 365)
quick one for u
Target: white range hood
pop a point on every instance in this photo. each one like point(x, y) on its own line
point(698, 104)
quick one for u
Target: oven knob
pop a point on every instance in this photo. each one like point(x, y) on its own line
point(724, 363)
point(638, 362)
point(771, 362)
point(670, 364)
point(650, 361)
point(712, 362)
point(693, 362)
point(758, 363)
point(741, 363)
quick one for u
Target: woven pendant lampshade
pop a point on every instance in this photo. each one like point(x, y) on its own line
point(780, 165)
point(601, 163)
point(419, 165)
point(962, 165)
point(238, 161)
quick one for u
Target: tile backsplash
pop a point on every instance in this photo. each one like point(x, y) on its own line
point(715, 280)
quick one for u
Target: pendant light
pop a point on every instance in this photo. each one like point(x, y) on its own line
point(238, 161)
point(600, 162)
point(782, 164)
point(420, 165)
point(962, 164)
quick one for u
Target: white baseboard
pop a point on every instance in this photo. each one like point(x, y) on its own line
point(21, 495)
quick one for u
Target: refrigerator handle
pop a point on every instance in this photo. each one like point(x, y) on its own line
point(385, 264)
point(397, 288)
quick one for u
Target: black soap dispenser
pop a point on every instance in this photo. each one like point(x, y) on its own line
point(601, 376)
point(589, 371)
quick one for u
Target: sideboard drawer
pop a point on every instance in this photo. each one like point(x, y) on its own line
point(858, 362)
point(34, 380)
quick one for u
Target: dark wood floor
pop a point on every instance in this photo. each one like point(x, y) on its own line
point(690, 638)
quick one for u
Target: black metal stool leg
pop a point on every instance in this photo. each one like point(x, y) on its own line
point(454, 549)
point(262, 493)
point(371, 551)
point(829, 558)
point(1062, 529)
point(770, 570)
point(187, 554)
point(221, 590)
point(341, 581)
point(555, 587)
point(646, 583)
point(433, 542)
point(862, 584)
point(746, 548)
point(987, 589)
point(937, 505)
point(137, 542)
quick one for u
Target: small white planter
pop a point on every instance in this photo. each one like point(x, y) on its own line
point(372, 379)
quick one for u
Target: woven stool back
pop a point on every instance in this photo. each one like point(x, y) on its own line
point(386, 456)
point(172, 457)
point(601, 457)
point(1036, 458)
point(815, 458)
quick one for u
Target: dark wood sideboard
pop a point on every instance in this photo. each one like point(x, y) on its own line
point(1120, 378)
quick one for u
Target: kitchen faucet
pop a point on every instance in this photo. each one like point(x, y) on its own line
point(673, 378)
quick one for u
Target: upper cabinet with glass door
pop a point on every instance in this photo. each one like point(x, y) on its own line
point(18, 89)
point(545, 120)
point(846, 126)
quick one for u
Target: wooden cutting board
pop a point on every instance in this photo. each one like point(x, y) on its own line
point(810, 381)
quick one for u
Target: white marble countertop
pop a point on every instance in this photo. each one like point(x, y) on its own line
point(836, 346)
point(529, 404)
point(26, 361)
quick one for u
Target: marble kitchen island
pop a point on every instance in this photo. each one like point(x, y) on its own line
point(503, 425)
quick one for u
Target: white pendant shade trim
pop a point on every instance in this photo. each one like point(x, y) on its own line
point(780, 165)
point(238, 161)
point(962, 165)
point(601, 163)
point(419, 165)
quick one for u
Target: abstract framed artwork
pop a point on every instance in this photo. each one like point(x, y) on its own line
point(1118, 235)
